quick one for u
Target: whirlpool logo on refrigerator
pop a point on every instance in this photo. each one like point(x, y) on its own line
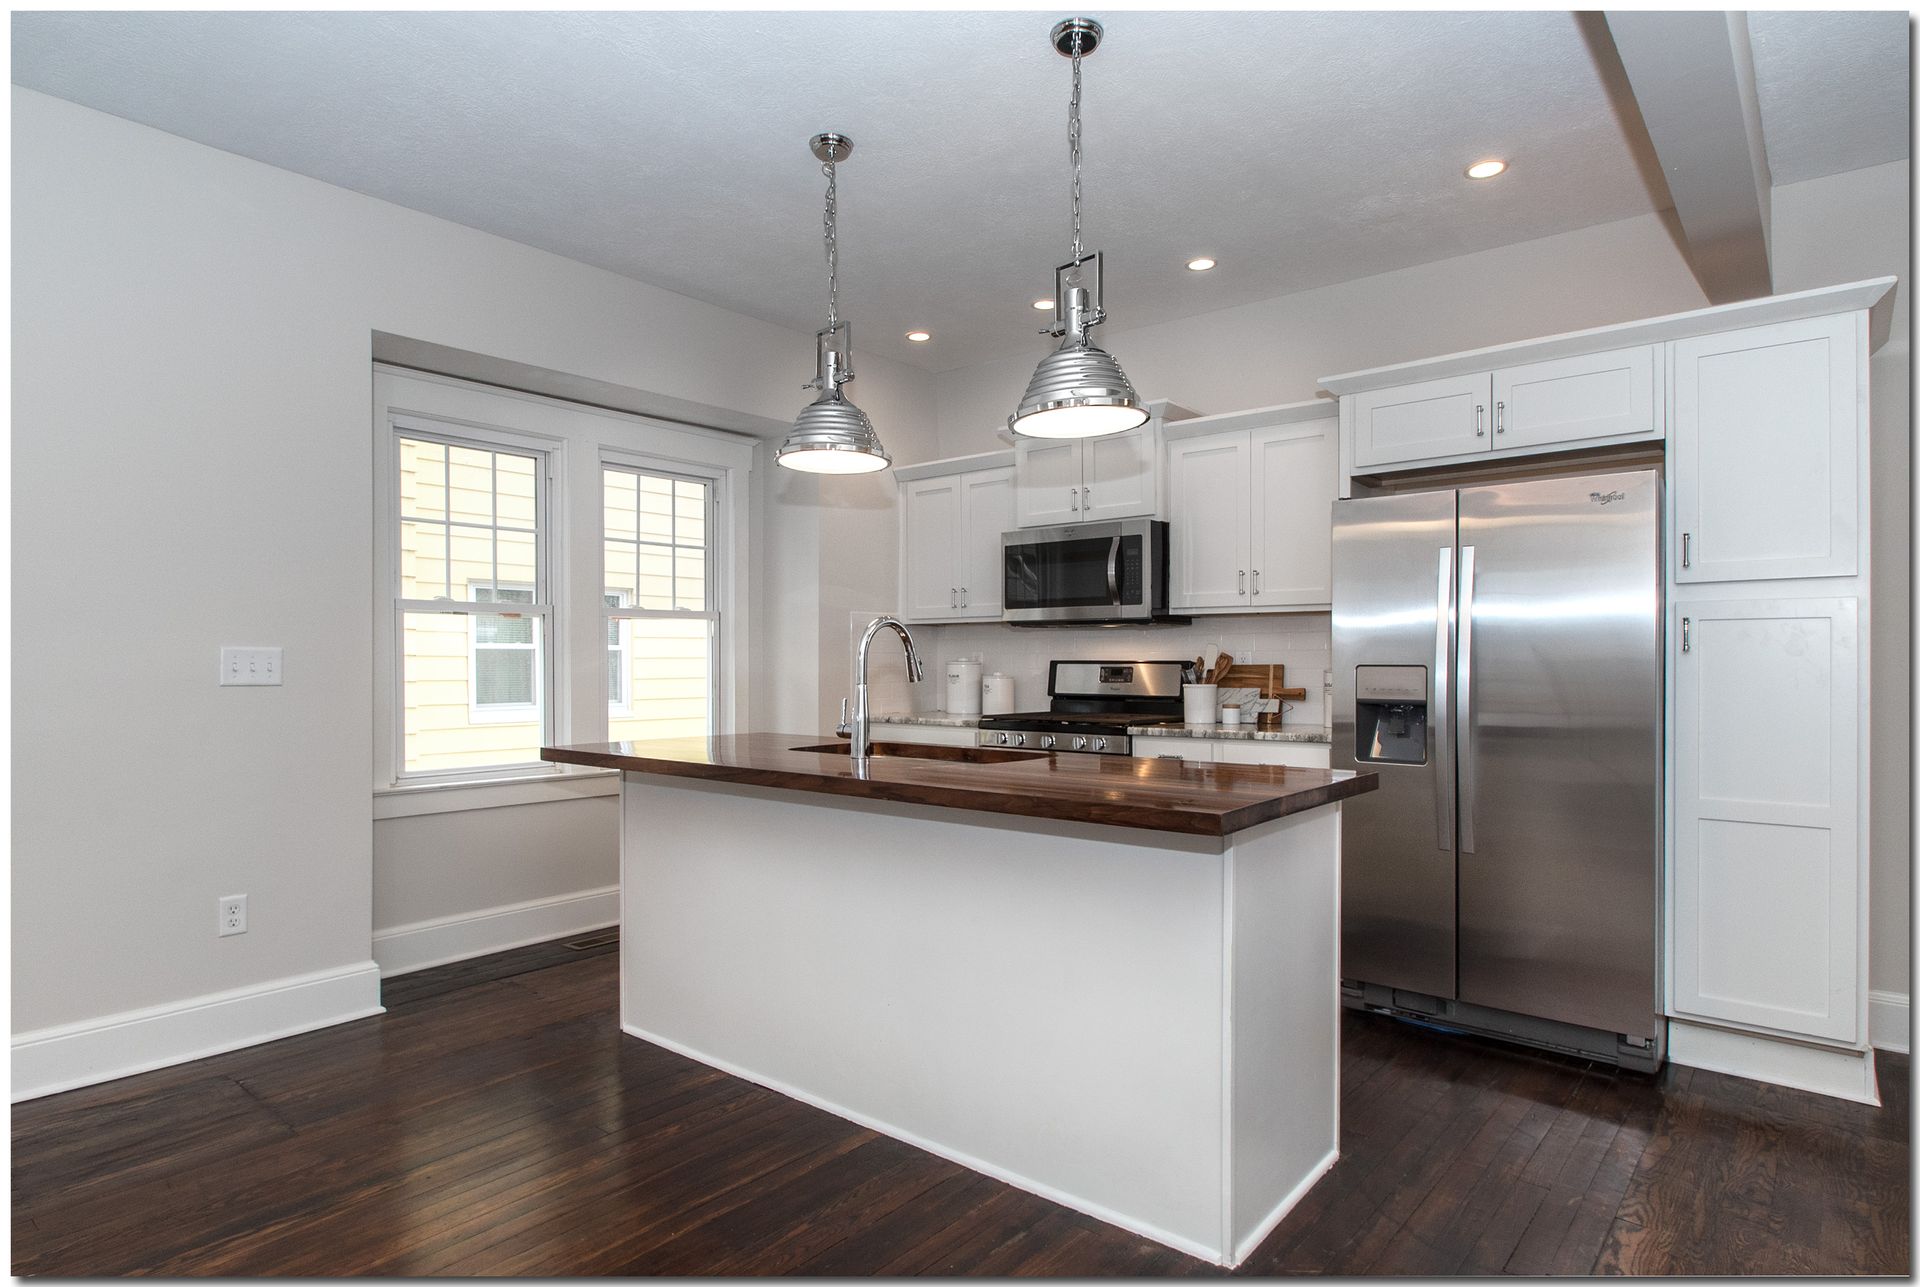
point(1606, 498)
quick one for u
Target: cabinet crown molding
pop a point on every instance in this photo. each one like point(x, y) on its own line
point(1875, 294)
point(954, 465)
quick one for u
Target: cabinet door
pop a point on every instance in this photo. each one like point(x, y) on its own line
point(1172, 748)
point(930, 549)
point(986, 506)
point(1120, 476)
point(1047, 482)
point(1208, 537)
point(1766, 855)
point(1765, 456)
point(1422, 421)
point(1295, 472)
point(1596, 395)
point(1303, 755)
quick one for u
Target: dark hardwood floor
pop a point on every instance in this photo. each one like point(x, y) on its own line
point(495, 1121)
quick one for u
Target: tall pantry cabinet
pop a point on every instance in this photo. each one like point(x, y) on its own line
point(1760, 413)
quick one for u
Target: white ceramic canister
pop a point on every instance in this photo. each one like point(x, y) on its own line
point(1202, 703)
point(963, 687)
point(996, 694)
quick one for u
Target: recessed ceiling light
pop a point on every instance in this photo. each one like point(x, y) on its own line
point(1043, 303)
point(919, 337)
point(1485, 169)
point(1199, 265)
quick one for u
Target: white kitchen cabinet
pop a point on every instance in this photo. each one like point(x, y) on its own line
point(1300, 755)
point(1173, 748)
point(925, 734)
point(1424, 421)
point(1210, 537)
point(1765, 465)
point(1093, 480)
point(1576, 399)
point(1048, 488)
point(1252, 510)
point(950, 561)
point(1295, 472)
point(1766, 918)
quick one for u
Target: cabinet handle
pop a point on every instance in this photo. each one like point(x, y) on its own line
point(953, 597)
point(1499, 417)
point(1073, 498)
point(1479, 421)
point(1243, 580)
point(1686, 549)
point(1256, 582)
point(1086, 499)
point(1686, 634)
point(963, 596)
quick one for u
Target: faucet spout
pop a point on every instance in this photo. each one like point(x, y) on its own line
point(860, 725)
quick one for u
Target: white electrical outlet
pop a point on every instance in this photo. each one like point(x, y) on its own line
point(233, 915)
point(249, 667)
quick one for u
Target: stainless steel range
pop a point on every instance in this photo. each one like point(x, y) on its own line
point(1094, 704)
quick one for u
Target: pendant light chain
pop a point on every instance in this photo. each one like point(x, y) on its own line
point(833, 244)
point(1073, 145)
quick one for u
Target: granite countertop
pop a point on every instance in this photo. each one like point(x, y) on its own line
point(1114, 790)
point(1235, 732)
point(932, 719)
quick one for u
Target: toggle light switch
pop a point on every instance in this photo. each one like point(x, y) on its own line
point(249, 667)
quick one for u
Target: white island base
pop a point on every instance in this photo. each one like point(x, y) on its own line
point(1140, 1025)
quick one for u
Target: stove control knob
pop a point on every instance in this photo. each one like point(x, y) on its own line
point(1079, 743)
point(1046, 741)
point(1099, 743)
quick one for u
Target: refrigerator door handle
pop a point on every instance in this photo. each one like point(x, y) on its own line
point(1465, 740)
point(1440, 724)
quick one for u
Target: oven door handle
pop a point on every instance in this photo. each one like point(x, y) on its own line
point(1113, 572)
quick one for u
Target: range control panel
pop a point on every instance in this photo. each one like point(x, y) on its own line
point(1086, 743)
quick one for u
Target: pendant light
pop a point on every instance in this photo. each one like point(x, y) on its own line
point(831, 435)
point(1078, 390)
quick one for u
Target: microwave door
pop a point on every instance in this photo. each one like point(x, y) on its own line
point(1064, 578)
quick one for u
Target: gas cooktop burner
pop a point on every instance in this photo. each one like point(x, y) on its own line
point(1094, 703)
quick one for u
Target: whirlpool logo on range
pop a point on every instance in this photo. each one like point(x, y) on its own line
point(1605, 498)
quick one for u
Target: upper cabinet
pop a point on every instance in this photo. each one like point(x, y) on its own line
point(1251, 495)
point(950, 528)
point(1092, 480)
point(1566, 402)
point(1765, 468)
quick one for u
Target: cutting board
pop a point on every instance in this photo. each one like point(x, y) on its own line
point(1271, 680)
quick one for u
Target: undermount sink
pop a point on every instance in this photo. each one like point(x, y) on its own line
point(917, 751)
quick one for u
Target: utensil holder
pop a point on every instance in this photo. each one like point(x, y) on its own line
point(1202, 703)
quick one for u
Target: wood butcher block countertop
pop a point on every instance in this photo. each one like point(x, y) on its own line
point(1114, 790)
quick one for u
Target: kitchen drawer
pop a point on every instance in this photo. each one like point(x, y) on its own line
point(1172, 748)
point(1300, 755)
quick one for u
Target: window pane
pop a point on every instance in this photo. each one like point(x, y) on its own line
point(423, 479)
point(472, 550)
point(689, 513)
point(515, 481)
point(621, 501)
point(423, 560)
point(656, 508)
point(616, 672)
point(656, 577)
point(620, 581)
point(489, 629)
point(517, 565)
point(465, 704)
point(472, 479)
point(690, 579)
point(670, 679)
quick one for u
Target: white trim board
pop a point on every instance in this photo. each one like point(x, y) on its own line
point(1890, 1021)
point(1823, 1070)
point(424, 944)
point(49, 1060)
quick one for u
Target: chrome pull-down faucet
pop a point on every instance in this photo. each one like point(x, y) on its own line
point(859, 727)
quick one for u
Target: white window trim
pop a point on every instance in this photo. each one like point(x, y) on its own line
point(581, 439)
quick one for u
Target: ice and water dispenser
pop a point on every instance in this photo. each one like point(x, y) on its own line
point(1390, 714)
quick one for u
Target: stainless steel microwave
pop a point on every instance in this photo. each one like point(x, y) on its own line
point(1086, 573)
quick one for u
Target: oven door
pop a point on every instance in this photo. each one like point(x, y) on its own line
point(1084, 572)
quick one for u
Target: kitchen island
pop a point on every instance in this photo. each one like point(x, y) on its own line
point(1110, 981)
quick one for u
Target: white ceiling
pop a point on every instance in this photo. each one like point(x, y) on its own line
point(1297, 148)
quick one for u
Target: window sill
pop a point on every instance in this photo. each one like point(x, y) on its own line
point(456, 797)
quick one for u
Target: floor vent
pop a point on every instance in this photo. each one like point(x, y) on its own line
point(601, 939)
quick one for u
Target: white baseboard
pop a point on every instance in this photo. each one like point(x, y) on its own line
point(1212, 1255)
point(1824, 1070)
point(1251, 1243)
point(424, 944)
point(1890, 1021)
point(50, 1060)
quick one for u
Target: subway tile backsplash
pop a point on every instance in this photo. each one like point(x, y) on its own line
point(1302, 642)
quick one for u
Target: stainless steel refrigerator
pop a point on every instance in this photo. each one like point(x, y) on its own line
point(1496, 654)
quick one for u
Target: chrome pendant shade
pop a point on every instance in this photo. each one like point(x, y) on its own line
point(1078, 390)
point(831, 435)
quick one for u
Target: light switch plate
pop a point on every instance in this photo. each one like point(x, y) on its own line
point(249, 667)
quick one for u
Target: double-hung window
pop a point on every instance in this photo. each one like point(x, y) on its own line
point(661, 606)
point(473, 610)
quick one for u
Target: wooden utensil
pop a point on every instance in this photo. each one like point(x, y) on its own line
point(1221, 663)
